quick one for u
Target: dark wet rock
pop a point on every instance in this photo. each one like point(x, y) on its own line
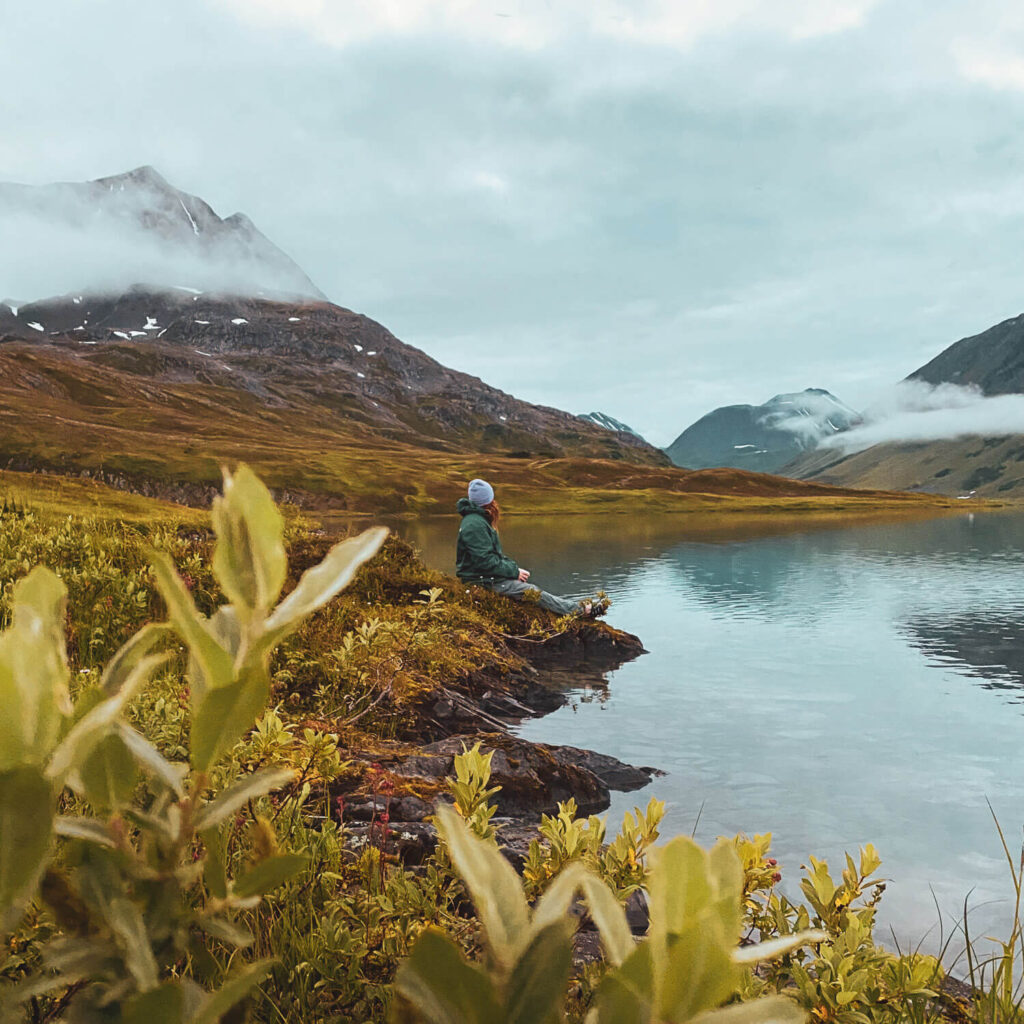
point(638, 915)
point(534, 777)
point(411, 842)
point(586, 948)
point(399, 808)
point(615, 774)
point(514, 840)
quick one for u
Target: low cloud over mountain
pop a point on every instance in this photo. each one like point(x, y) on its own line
point(104, 235)
point(916, 411)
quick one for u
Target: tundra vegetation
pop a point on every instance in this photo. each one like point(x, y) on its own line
point(170, 851)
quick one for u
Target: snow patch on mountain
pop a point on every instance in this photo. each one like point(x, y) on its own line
point(602, 419)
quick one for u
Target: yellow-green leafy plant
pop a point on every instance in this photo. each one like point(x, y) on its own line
point(685, 969)
point(471, 791)
point(566, 837)
point(849, 979)
point(140, 886)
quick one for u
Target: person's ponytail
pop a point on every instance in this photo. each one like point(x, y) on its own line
point(493, 512)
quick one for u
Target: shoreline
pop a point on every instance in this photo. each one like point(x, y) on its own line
point(534, 777)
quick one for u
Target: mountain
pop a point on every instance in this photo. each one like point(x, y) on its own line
point(992, 361)
point(137, 226)
point(147, 381)
point(762, 438)
point(986, 466)
point(602, 419)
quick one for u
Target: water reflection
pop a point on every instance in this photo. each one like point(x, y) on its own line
point(989, 647)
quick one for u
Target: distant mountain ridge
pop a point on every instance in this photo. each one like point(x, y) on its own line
point(137, 222)
point(762, 438)
point(988, 466)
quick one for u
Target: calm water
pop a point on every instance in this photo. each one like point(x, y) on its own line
point(833, 686)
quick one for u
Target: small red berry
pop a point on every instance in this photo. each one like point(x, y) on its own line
point(777, 877)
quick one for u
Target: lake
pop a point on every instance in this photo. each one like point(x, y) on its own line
point(834, 686)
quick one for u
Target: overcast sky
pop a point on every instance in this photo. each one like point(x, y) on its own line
point(646, 207)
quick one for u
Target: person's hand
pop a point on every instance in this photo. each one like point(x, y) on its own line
point(523, 575)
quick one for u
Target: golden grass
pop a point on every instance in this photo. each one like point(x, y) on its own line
point(55, 495)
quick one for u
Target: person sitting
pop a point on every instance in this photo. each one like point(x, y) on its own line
point(480, 560)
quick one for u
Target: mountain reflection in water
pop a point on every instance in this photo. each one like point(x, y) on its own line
point(988, 646)
point(836, 683)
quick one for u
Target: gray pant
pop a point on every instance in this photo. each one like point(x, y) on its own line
point(516, 589)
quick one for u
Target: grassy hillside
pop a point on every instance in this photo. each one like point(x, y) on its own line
point(988, 467)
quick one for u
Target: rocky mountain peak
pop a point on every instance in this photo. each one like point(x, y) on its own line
point(145, 176)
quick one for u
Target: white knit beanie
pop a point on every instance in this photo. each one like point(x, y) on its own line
point(480, 492)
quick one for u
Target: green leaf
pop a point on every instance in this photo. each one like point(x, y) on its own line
point(225, 714)
point(33, 671)
point(98, 722)
point(215, 668)
point(249, 559)
point(89, 830)
point(493, 884)
point(127, 659)
point(234, 990)
point(229, 932)
point(726, 873)
point(169, 773)
point(125, 918)
point(680, 887)
point(108, 774)
point(162, 1005)
point(554, 904)
point(536, 989)
point(625, 994)
point(269, 874)
point(770, 1010)
point(237, 796)
point(697, 974)
point(604, 908)
point(26, 828)
point(777, 947)
point(215, 868)
point(443, 987)
point(610, 918)
point(319, 584)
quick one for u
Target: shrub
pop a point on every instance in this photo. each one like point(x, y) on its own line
point(141, 891)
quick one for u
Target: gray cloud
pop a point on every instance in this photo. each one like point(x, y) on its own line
point(593, 221)
point(916, 411)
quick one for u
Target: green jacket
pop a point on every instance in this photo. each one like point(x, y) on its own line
point(478, 554)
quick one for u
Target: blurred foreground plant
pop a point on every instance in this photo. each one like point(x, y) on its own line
point(141, 887)
point(687, 967)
